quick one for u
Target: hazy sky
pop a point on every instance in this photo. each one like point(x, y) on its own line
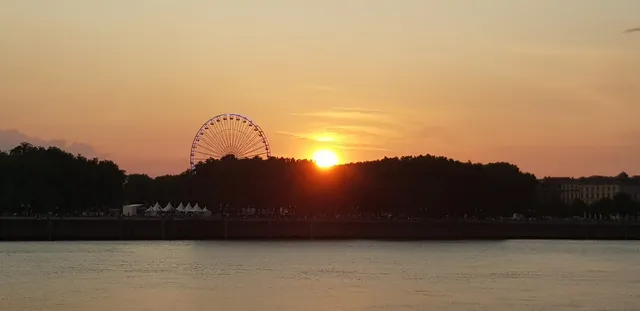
point(552, 86)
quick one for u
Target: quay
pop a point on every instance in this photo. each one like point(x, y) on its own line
point(88, 228)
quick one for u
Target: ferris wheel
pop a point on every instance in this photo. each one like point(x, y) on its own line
point(229, 134)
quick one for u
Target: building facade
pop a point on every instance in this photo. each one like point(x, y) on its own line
point(592, 189)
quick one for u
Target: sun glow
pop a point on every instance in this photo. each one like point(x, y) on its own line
point(325, 158)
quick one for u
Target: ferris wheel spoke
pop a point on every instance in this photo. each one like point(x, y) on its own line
point(250, 133)
point(243, 130)
point(253, 150)
point(207, 140)
point(233, 136)
point(240, 136)
point(207, 155)
point(244, 140)
point(212, 134)
point(221, 132)
point(249, 138)
point(207, 151)
point(252, 153)
point(210, 146)
point(219, 138)
point(215, 144)
point(252, 144)
point(256, 143)
point(222, 144)
point(229, 134)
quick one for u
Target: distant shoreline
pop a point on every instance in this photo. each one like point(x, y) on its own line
point(104, 228)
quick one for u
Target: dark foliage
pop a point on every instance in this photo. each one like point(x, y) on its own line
point(423, 186)
point(39, 180)
point(35, 180)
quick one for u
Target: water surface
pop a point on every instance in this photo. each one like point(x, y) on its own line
point(343, 275)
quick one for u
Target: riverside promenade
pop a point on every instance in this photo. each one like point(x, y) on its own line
point(103, 228)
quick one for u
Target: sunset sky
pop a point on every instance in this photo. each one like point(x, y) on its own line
point(552, 86)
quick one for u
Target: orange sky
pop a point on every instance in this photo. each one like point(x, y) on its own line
point(552, 86)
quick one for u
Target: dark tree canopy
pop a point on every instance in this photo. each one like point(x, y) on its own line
point(419, 186)
point(38, 180)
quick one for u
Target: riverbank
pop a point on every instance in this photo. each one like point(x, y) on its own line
point(29, 229)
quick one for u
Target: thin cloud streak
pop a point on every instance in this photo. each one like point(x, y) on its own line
point(360, 130)
point(362, 147)
point(632, 30)
point(337, 115)
point(359, 110)
point(344, 145)
point(352, 114)
point(355, 128)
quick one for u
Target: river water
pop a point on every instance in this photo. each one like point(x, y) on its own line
point(319, 275)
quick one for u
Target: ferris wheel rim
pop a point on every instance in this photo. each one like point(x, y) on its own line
point(224, 116)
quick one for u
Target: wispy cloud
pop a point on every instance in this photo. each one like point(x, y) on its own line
point(359, 110)
point(356, 128)
point(339, 141)
point(337, 114)
point(12, 138)
point(361, 130)
point(352, 114)
point(295, 135)
point(362, 147)
point(632, 30)
point(346, 133)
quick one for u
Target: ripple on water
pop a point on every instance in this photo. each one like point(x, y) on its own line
point(352, 275)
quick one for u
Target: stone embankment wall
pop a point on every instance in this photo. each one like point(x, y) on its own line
point(25, 229)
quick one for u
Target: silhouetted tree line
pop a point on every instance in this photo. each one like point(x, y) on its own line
point(49, 180)
point(36, 180)
point(423, 186)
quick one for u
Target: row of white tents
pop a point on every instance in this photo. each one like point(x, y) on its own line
point(181, 208)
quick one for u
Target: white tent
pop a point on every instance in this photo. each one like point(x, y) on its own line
point(168, 208)
point(180, 208)
point(188, 208)
point(154, 209)
point(197, 208)
point(206, 211)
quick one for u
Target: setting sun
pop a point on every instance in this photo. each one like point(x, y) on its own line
point(325, 158)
